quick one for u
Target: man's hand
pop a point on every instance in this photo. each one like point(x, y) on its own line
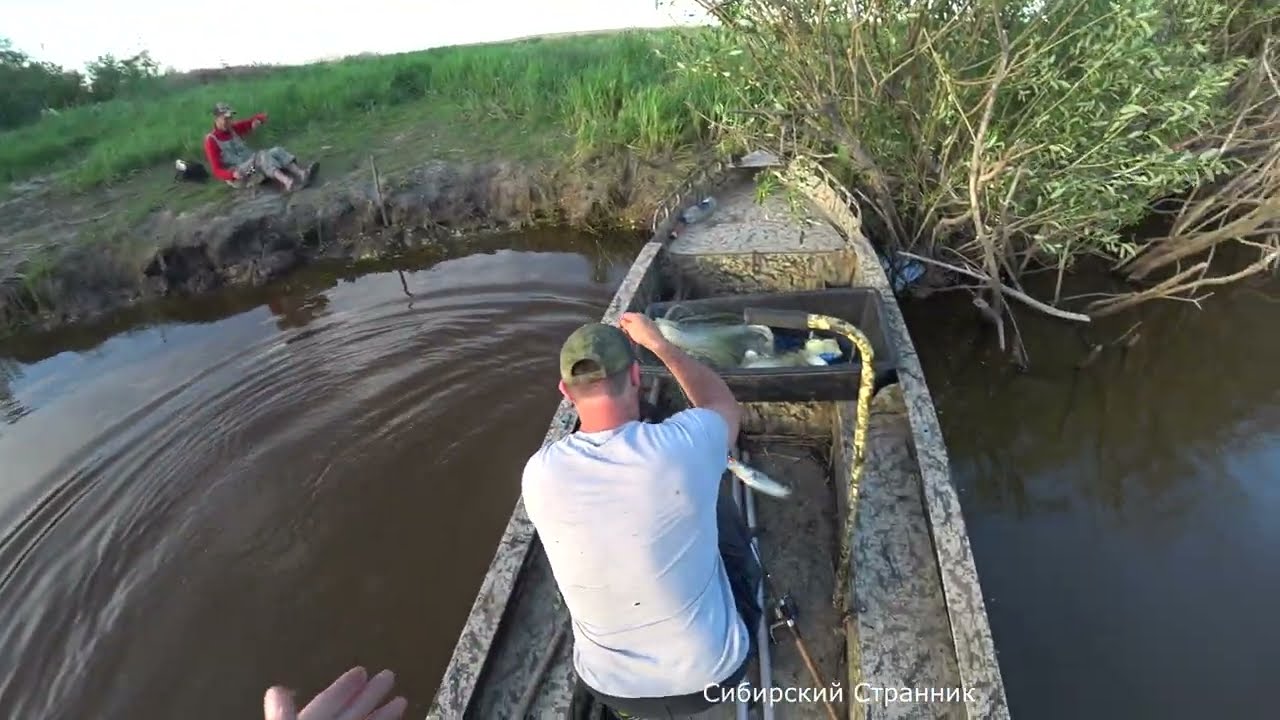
point(643, 331)
point(702, 385)
point(353, 696)
point(254, 123)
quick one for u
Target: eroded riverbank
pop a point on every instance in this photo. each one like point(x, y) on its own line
point(76, 259)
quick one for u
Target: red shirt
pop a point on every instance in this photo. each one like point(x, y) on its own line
point(214, 154)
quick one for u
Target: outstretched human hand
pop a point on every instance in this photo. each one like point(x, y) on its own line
point(353, 696)
point(642, 331)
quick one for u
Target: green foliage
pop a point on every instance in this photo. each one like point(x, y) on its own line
point(604, 91)
point(1085, 125)
point(1106, 105)
point(110, 77)
point(28, 87)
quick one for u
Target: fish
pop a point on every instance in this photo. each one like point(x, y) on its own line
point(719, 345)
point(757, 480)
point(799, 358)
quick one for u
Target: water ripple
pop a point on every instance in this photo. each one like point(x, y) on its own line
point(192, 512)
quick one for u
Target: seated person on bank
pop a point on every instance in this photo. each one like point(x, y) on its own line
point(653, 560)
point(233, 161)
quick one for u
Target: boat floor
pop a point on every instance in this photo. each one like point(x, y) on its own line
point(798, 541)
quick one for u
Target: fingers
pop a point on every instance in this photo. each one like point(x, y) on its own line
point(369, 697)
point(628, 322)
point(393, 710)
point(338, 695)
point(277, 704)
point(353, 696)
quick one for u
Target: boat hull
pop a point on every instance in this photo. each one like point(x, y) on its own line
point(917, 618)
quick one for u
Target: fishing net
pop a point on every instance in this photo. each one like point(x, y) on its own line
point(724, 341)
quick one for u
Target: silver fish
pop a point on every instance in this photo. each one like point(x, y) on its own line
point(757, 480)
point(721, 346)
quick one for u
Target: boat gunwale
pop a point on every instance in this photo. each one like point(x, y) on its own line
point(970, 628)
point(973, 643)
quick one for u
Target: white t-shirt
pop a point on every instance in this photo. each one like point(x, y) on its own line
point(628, 521)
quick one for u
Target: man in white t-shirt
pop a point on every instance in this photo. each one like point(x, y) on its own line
point(653, 560)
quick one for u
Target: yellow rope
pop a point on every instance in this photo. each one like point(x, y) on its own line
point(866, 386)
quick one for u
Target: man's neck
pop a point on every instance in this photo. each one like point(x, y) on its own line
point(601, 419)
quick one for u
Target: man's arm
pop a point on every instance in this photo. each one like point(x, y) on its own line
point(246, 126)
point(704, 387)
point(214, 155)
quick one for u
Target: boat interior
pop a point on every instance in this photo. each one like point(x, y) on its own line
point(858, 569)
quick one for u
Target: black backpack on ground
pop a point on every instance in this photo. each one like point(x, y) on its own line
point(190, 171)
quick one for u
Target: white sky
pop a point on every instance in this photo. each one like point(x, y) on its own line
point(188, 34)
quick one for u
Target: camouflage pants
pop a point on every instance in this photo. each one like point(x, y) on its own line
point(262, 165)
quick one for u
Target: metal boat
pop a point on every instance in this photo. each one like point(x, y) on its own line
point(873, 595)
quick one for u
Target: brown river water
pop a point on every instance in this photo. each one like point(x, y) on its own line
point(203, 499)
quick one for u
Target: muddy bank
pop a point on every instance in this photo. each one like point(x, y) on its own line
point(268, 234)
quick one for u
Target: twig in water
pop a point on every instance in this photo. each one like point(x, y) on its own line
point(1015, 294)
point(990, 314)
point(1126, 334)
point(1088, 360)
point(1019, 348)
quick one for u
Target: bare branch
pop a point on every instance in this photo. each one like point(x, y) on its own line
point(1015, 294)
point(1171, 289)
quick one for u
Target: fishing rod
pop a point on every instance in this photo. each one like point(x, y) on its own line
point(745, 500)
point(784, 609)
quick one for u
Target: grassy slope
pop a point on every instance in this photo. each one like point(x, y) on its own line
point(87, 179)
point(577, 94)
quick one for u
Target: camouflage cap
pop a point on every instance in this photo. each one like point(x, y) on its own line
point(604, 345)
point(223, 109)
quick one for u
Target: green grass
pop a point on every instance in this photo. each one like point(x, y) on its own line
point(598, 92)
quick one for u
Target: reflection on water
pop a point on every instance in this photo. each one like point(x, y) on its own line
point(1123, 516)
point(208, 497)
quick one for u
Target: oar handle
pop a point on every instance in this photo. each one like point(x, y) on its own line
point(787, 319)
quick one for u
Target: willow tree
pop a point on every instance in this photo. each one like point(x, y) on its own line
point(999, 137)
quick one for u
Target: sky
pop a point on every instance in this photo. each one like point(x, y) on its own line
point(187, 34)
